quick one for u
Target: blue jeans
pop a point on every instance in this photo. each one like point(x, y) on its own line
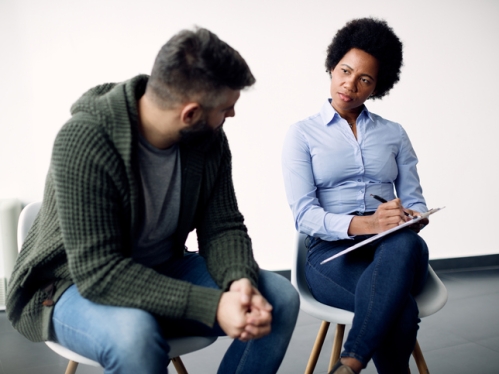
point(378, 282)
point(126, 340)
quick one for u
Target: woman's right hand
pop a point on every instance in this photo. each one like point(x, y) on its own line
point(388, 215)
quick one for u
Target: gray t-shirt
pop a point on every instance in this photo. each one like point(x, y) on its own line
point(161, 181)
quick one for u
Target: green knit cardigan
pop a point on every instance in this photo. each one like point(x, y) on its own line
point(91, 208)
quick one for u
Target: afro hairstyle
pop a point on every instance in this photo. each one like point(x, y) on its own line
point(375, 37)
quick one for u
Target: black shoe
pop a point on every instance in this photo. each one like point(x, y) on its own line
point(339, 368)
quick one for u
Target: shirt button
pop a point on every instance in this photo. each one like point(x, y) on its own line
point(358, 180)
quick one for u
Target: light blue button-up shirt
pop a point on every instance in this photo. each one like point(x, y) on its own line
point(328, 173)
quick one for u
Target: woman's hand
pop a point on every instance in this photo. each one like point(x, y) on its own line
point(388, 215)
point(418, 226)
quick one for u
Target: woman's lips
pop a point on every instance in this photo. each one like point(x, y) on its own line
point(344, 97)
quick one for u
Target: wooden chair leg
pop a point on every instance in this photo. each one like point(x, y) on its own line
point(337, 343)
point(71, 368)
point(179, 365)
point(316, 350)
point(420, 362)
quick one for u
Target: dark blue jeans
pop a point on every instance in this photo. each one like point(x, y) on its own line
point(378, 282)
point(127, 340)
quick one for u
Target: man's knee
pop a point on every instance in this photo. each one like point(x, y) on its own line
point(280, 294)
point(139, 339)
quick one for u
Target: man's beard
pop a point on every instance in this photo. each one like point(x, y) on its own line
point(200, 135)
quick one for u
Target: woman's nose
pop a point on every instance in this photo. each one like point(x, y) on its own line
point(350, 84)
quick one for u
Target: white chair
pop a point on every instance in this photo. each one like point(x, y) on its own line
point(430, 300)
point(178, 346)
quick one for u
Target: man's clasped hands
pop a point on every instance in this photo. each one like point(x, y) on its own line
point(243, 313)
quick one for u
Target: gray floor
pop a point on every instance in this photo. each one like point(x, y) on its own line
point(462, 338)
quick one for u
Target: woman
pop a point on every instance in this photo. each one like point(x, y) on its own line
point(333, 162)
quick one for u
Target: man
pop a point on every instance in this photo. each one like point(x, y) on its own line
point(139, 165)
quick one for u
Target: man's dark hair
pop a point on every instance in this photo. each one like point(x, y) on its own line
point(375, 37)
point(197, 65)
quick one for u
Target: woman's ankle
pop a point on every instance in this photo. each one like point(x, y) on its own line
point(352, 363)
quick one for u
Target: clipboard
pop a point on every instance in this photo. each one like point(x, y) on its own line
point(384, 233)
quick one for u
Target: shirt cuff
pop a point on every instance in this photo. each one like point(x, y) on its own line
point(202, 305)
point(419, 208)
point(337, 225)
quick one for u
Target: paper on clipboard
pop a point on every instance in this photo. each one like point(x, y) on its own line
point(384, 233)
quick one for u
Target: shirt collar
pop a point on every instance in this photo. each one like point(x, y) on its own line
point(330, 116)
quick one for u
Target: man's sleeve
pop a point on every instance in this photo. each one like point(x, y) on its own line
point(222, 236)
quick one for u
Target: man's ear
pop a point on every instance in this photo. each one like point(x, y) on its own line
point(191, 113)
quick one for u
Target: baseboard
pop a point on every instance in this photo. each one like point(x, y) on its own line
point(447, 264)
point(466, 263)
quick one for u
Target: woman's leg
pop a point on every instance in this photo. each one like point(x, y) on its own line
point(376, 283)
point(335, 282)
point(393, 354)
point(122, 340)
point(384, 299)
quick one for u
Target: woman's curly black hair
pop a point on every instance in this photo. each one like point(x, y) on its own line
point(375, 37)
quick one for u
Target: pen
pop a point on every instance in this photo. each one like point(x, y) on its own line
point(381, 200)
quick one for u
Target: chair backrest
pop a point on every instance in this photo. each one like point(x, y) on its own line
point(298, 269)
point(307, 301)
point(26, 219)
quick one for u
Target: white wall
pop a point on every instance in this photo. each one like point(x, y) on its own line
point(52, 51)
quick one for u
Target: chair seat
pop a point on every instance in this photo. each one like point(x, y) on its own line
point(430, 300)
point(433, 297)
point(70, 355)
point(178, 347)
point(188, 344)
point(324, 312)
